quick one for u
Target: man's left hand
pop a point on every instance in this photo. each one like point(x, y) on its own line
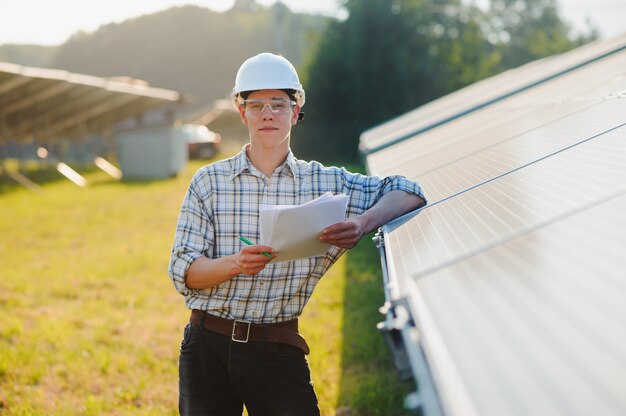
point(344, 234)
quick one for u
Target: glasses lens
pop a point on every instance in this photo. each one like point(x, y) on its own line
point(275, 106)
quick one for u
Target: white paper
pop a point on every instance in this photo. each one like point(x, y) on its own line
point(292, 230)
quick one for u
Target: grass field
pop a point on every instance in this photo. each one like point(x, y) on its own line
point(90, 324)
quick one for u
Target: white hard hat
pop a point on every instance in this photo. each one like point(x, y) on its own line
point(267, 71)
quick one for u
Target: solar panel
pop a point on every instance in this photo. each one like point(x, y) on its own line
point(533, 325)
point(52, 103)
point(510, 205)
point(468, 170)
point(515, 274)
point(525, 113)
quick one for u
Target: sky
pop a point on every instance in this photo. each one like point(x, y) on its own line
point(52, 22)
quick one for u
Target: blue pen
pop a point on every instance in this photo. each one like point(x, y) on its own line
point(250, 243)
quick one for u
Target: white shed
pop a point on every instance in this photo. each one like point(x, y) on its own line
point(153, 152)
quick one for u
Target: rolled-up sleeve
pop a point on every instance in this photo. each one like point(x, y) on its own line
point(365, 191)
point(194, 235)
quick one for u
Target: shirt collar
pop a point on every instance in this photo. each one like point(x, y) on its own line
point(241, 163)
point(289, 165)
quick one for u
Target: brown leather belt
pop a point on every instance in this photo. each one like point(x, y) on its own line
point(285, 332)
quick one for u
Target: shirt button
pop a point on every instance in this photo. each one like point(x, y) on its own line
point(253, 313)
point(261, 282)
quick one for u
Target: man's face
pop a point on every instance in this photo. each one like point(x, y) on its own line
point(269, 115)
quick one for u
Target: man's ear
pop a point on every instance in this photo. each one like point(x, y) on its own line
point(294, 116)
point(242, 113)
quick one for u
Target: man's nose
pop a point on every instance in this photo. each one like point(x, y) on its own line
point(267, 112)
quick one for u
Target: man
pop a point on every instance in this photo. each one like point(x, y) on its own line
point(242, 344)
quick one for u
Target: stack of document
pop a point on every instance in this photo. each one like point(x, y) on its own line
point(292, 230)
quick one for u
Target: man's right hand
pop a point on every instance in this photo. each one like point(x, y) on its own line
point(251, 259)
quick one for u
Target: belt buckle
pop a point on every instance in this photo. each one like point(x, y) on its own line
point(233, 335)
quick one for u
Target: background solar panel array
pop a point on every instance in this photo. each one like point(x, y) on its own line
point(515, 273)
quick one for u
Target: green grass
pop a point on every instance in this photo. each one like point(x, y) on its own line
point(90, 324)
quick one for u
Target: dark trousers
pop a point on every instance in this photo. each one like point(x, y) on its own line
point(217, 376)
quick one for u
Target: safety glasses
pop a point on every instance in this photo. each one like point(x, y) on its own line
point(276, 106)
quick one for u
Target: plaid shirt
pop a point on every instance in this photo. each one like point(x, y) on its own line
point(222, 203)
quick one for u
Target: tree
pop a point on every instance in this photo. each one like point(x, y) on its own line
point(525, 30)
